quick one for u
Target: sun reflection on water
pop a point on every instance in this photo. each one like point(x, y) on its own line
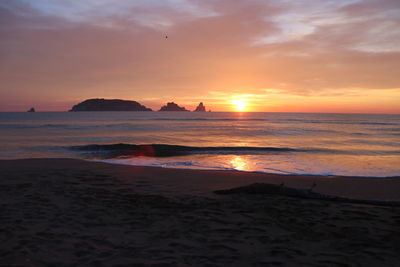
point(239, 163)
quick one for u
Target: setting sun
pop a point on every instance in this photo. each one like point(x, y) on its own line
point(240, 104)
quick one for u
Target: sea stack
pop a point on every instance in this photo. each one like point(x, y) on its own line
point(200, 108)
point(171, 106)
point(100, 104)
point(31, 110)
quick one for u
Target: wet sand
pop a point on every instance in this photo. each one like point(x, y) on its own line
point(65, 212)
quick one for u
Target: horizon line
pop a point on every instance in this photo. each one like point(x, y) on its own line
point(48, 111)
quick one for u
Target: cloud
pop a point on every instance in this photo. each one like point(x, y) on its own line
point(78, 49)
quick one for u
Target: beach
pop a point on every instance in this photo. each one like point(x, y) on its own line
point(70, 212)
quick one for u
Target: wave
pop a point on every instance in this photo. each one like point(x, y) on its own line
point(39, 126)
point(71, 126)
point(208, 119)
point(280, 121)
point(386, 129)
point(163, 150)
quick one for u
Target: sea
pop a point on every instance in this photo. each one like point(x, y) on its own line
point(279, 143)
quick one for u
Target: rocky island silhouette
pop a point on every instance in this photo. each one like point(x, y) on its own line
point(200, 108)
point(101, 104)
point(171, 106)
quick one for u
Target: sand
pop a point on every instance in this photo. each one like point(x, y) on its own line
point(66, 212)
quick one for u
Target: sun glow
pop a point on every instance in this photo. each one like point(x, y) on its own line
point(240, 104)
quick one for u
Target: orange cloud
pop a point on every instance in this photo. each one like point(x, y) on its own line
point(313, 51)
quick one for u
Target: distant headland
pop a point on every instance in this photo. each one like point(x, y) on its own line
point(101, 104)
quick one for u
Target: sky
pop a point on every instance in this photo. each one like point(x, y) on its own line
point(254, 55)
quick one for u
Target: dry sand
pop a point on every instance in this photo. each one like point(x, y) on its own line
point(65, 212)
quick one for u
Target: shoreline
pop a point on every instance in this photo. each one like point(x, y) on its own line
point(69, 212)
point(113, 162)
point(204, 182)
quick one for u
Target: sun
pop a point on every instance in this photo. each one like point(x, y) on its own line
point(240, 104)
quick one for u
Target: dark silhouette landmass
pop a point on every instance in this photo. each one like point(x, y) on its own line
point(200, 108)
point(101, 104)
point(31, 110)
point(171, 106)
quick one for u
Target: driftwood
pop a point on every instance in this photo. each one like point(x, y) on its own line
point(272, 189)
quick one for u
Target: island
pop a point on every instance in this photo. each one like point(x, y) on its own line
point(200, 108)
point(101, 104)
point(31, 110)
point(171, 106)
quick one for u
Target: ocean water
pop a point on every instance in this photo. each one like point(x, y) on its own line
point(282, 143)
